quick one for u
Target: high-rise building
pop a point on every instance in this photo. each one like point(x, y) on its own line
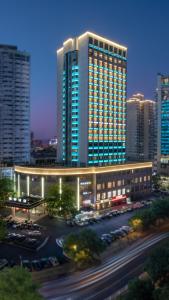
point(162, 93)
point(141, 129)
point(14, 105)
point(91, 101)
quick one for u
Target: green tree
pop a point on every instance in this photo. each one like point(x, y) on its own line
point(156, 181)
point(160, 208)
point(3, 229)
point(6, 189)
point(52, 199)
point(62, 204)
point(143, 219)
point(156, 287)
point(161, 293)
point(16, 284)
point(140, 289)
point(158, 265)
point(67, 201)
point(84, 248)
point(148, 218)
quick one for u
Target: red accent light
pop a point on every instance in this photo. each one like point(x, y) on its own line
point(118, 198)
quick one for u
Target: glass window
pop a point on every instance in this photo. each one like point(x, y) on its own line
point(95, 42)
point(106, 46)
point(98, 186)
point(103, 195)
point(90, 40)
point(98, 196)
point(101, 44)
point(123, 191)
point(109, 194)
point(119, 183)
point(114, 193)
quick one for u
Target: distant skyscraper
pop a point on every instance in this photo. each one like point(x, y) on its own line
point(163, 121)
point(141, 129)
point(14, 105)
point(91, 101)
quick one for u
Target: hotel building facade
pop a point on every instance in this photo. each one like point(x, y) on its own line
point(99, 187)
point(162, 94)
point(91, 101)
point(91, 129)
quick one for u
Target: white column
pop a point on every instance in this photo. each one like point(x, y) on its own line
point(13, 212)
point(42, 187)
point(60, 185)
point(94, 188)
point(78, 193)
point(14, 182)
point(19, 186)
point(28, 185)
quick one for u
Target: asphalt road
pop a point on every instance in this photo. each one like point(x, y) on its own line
point(100, 282)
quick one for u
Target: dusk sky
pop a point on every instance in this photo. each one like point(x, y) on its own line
point(41, 26)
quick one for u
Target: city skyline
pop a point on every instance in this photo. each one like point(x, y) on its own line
point(43, 35)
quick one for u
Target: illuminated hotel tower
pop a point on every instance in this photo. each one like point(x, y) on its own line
point(162, 93)
point(91, 101)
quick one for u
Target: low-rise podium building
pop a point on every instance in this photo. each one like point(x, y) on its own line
point(99, 187)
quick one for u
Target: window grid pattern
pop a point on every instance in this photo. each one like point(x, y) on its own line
point(64, 116)
point(75, 114)
point(165, 116)
point(107, 107)
point(70, 109)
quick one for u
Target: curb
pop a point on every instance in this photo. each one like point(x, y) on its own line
point(43, 244)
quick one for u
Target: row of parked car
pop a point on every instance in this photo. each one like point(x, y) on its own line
point(107, 215)
point(114, 235)
point(32, 265)
point(40, 264)
point(96, 219)
point(31, 240)
point(28, 225)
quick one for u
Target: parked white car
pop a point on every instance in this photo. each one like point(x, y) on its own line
point(34, 233)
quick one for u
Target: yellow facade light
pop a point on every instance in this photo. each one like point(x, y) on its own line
point(59, 50)
point(100, 38)
point(68, 41)
point(80, 171)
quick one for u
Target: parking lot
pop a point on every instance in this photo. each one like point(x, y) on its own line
point(56, 229)
point(26, 234)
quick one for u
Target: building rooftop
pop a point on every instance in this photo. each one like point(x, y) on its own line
point(8, 47)
point(96, 36)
